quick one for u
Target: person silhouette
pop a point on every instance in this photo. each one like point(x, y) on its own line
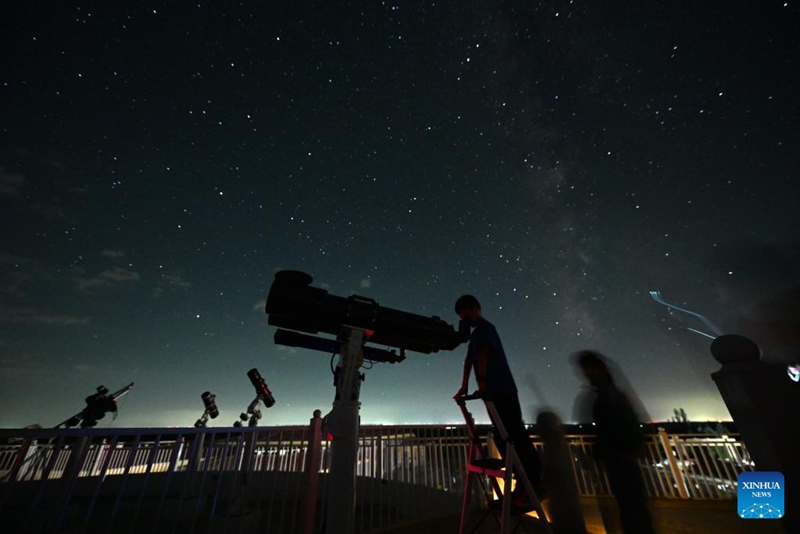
point(496, 383)
point(619, 442)
point(557, 474)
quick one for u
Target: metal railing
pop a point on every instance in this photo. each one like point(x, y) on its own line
point(674, 466)
point(237, 479)
point(275, 479)
point(151, 480)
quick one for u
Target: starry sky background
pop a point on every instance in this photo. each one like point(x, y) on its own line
point(159, 162)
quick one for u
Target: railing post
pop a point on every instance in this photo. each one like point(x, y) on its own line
point(98, 459)
point(313, 460)
point(71, 474)
point(197, 459)
point(250, 451)
point(20, 467)
point(673, 464)
point(76, 458)
point(762, 400)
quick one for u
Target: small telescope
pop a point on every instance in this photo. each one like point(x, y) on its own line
point(262, 391)
point(293, 304)
point(211, 410)
point(263, 394)
point(97, 406)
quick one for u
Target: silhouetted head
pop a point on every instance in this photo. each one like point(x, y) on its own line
point(548, 425)
point(469, 309)
point(593, 366)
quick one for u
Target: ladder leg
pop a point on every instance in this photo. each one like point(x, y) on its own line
point(465, 500)
point(528, 488)
point(505, 523)
point(514, 464)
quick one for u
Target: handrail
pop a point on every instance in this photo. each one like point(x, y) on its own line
point(401, 468)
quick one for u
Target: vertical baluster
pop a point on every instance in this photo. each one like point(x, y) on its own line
point(173, 460)
point(51, 463)
point(130, 461)
point(77, 460)
point(722, 456)
point(152, 458)
point(100, 479)
point(656, 477)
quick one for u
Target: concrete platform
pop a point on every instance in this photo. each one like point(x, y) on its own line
point(669, 517)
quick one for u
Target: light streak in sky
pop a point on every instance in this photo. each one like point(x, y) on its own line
point(657, 297)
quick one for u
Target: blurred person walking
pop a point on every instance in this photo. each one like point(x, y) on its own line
point(619, 442)
point(564, 510)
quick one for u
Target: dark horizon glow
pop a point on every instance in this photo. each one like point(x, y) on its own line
point(559, 160)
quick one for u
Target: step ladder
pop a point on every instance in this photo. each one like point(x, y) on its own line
point(481, 465)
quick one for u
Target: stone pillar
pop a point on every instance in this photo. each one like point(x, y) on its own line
point(765, 405)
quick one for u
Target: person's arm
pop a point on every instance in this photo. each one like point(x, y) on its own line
point(464, 379)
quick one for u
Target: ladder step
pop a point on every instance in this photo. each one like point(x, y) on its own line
point(489, 463)
point(495, 473)
point(497, 504)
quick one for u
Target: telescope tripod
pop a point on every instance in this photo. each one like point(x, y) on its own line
point(251, 416)
point(480, 464)
point(343, 423)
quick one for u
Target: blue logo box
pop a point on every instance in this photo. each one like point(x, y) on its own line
point(760, 495)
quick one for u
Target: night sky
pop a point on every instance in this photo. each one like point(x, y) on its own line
point(159, 162)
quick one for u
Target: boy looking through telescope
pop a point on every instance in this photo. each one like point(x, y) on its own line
point(487, 358)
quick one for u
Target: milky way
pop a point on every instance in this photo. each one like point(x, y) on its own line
point(560, 161)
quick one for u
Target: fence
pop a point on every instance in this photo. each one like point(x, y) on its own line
point(674, 466)
point(275, 479)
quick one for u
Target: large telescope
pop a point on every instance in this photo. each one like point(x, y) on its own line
point(292, 303)
point(353, 321)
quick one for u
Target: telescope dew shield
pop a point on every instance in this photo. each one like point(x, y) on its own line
point(293, 304)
